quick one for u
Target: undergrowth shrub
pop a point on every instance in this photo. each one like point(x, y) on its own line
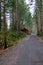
point(14, 36)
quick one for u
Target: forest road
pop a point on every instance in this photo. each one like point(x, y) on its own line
point(28, 52)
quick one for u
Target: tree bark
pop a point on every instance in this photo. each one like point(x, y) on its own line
point(0, 15)
point(4, 26)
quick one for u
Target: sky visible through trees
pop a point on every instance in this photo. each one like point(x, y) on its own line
point(32, 7)
point(32, 10)
point(18, 15)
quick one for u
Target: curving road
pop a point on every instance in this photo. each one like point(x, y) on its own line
point(28, 52)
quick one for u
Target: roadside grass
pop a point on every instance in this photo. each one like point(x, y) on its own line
point(41, 37)
point(13, 38)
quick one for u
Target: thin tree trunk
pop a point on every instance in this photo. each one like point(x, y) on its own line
point(17, 14)
point(41, 17)
point(37, 22)
point(12, 20)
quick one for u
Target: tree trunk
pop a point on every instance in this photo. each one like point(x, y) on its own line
point(0, 16)
point(4, 26)
point(12, 20)
point(17, 15)
point(41, 17)
point(37, 21)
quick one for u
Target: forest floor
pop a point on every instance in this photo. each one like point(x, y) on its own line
point(27, 52)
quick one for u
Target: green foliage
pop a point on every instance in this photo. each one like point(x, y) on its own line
point(0, 33)
point(21, 34)
point(14, 36)
point(39, 4)
point(0, 36)
point(18, 12)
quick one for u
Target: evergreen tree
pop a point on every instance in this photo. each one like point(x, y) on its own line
point(0, 15)
point(4, 26)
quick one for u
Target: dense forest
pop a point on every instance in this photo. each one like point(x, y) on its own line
point(39, 16)
point(20, 17)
